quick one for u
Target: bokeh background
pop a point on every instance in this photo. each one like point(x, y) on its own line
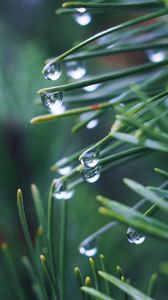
point(30, 32)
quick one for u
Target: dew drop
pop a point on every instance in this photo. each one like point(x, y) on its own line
point(81, 10)
point(92, 124)
point(61, 191)
point(82, 17)
point(63, 166)
point(88, 249)
point(90, 158)
point(134, 236)
point(64, 170)
point(52, 101)
point(91, 175)
point(92, 87)
point(52, 71)
point(156, 56)
point(75, 69)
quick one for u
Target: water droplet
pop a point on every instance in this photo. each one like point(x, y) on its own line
point(75, 69)
point(134, 236)
point(92, 87)
point(91, 174)
point(92, 124)
point(64, 170)
point(82, 17)
point(61, 191)
point(156, 56)
point(81, 10)
point(62, 166)
point(90, 158)
point(52, 101)
point(52, 71)
point(88, 249)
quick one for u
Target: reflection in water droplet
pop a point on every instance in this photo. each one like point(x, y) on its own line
point(56, 110)
point(91, 174)
point(134, 236)
point(75, 69)
point(92, 87)
point(156, 56)
point(61, 191)
point(52, 101)
point(52, 71)
point(89, 249)
point(82, 17)
point(90, 158)
point(92, 124)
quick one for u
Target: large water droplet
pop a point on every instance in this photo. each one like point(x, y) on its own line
point(92, 87)
point(134, 236)
point(156, 56)
point(91, 174)
point(75, 69)
point(61, 191)
point(52, 71)
point(89, 249)
point(90, 158)
point(82, 17)
point(52, 101)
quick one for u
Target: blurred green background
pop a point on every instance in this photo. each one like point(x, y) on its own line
point(29, 33)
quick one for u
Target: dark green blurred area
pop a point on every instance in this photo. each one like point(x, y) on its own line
point(29, 33)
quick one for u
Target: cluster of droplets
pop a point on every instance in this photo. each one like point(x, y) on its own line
point(91, 168)
point(75, 69)
point(61, 191)
point(53, 100)
point(134, 236)
point(88, 248)
point(82, 17)
point(52, 71)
